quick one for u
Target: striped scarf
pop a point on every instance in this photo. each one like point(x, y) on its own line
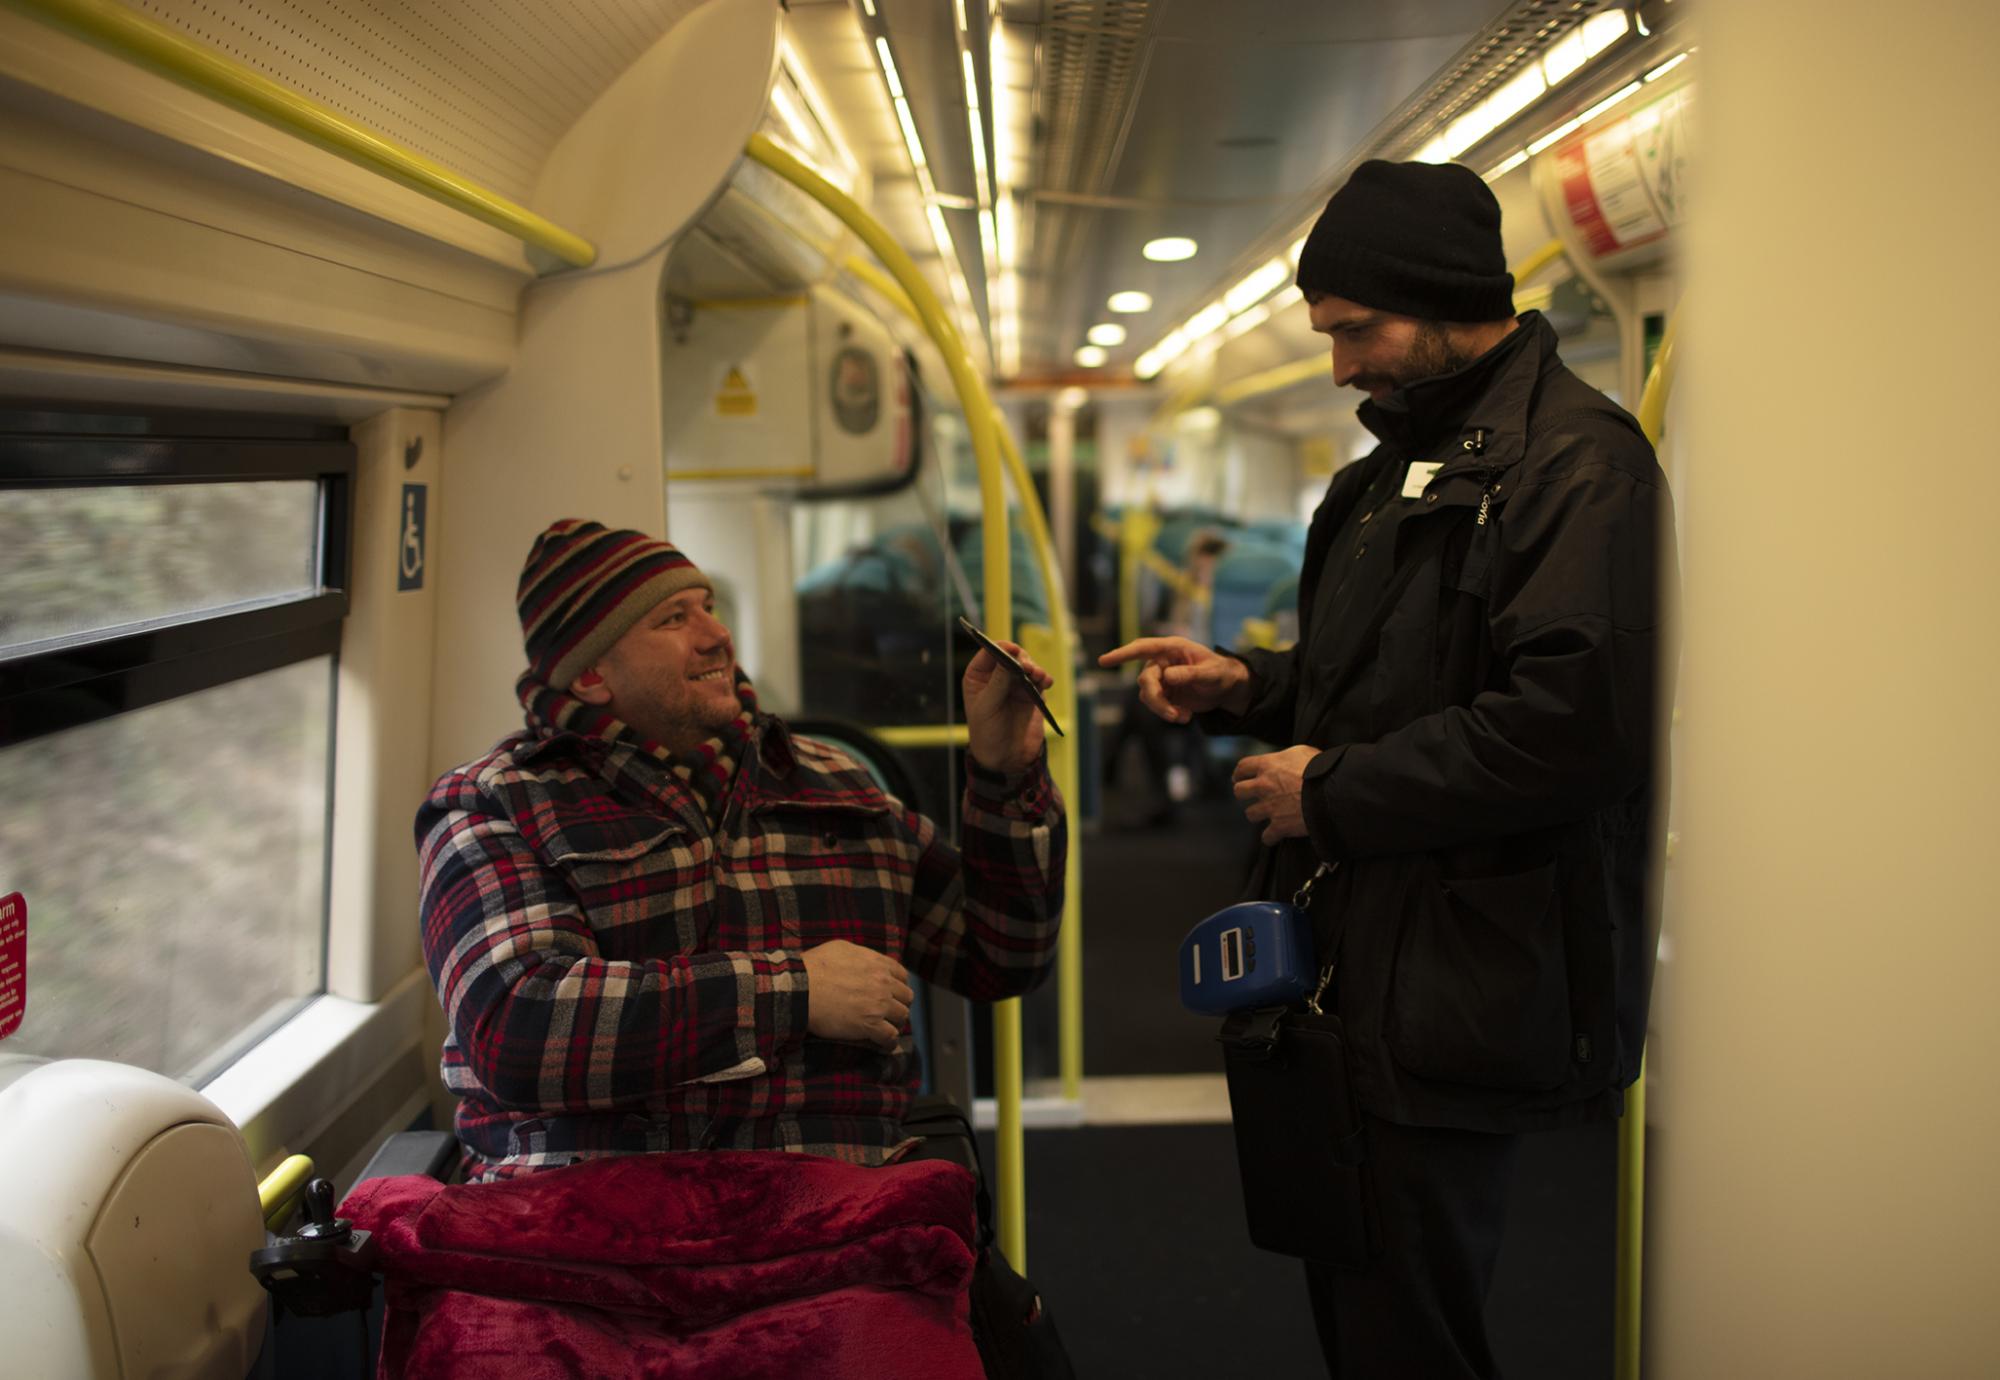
point(707, 770)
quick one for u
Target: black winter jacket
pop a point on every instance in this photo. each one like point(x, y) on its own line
point(1490, 791)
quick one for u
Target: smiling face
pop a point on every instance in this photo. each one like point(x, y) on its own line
point(1379, 351)
point(672, 676)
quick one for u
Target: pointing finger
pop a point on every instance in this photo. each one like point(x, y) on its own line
point(1138, 647)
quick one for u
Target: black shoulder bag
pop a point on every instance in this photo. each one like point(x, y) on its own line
point(1299, 1144)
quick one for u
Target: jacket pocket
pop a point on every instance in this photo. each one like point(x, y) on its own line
point(847, 867)
point(643, 882)
point(1480, 992)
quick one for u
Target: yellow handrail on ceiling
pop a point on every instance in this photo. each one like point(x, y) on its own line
point(1011, 1208)
point(140, 40)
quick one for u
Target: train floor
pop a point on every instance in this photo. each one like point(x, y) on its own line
point(1135, 1232)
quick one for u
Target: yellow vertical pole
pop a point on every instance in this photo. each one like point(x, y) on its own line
point(1058, 656)
point(1630, 1295)
point(1631, 1228)
point(1010, 1170)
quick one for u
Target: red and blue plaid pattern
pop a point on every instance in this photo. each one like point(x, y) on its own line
point(618, 976)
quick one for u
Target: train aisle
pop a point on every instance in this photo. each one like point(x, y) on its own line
point(1136, 1230)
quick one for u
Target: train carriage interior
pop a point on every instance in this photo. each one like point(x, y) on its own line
point(896, 313)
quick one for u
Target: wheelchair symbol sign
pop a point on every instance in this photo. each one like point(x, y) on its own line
point(410, 542)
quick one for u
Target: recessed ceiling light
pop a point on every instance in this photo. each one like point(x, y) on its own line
point(1170, 250)
point(1106, 333)
point(1129, 302)
point(1090, 356)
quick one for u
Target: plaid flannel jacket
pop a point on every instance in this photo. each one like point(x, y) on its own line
point(619, 977)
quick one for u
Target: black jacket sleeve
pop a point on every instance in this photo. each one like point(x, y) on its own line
point(1274, 684)
point(1574, 617)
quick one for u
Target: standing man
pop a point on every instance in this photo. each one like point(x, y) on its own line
point(1470, 710)
point(659, 920)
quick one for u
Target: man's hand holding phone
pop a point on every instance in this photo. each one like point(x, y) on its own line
point(1003, 707)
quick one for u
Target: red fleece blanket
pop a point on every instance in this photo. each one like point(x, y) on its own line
point(717, 1263)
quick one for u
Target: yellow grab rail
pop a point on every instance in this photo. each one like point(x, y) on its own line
point(1629, 1297)
point(1652, 412)
point(883, 284)
point(924, 735)
point(137, 39)
point(1537, 261)
point(1010, 1201)
point(281, 1188)
point(1631, 1229)
point(1057, 656)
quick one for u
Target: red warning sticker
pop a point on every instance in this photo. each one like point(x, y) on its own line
point(13, 962)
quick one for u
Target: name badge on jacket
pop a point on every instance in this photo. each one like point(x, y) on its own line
point(1419, 475)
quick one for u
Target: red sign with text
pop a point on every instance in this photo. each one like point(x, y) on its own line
point(13, 962)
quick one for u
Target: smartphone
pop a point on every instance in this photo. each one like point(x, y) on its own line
point(1008, 663)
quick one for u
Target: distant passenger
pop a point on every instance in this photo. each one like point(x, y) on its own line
point(1468, 719)
point(659, 920)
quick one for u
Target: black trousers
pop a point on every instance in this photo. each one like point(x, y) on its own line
point(1418, 1310)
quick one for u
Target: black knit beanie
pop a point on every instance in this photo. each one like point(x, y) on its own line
point(1417, 239)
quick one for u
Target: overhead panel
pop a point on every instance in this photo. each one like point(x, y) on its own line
point(483, 88)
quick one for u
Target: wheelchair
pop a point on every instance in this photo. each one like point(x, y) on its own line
point(323, 1266)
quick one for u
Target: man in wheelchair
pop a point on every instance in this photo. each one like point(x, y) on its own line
point(658, 920)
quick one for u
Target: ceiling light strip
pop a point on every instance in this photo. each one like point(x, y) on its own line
point(953, 268)
point(1568, 56)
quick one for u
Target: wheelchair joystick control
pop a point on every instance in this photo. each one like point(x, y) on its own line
point(325, 1267)
point(321, 1224)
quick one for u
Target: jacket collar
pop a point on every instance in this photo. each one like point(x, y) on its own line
point(1492, 395)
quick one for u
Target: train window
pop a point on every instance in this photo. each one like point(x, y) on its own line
point(170, 610)
point(88, 561)
point(173, 858)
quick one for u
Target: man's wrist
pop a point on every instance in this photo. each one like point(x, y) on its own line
point(1001, 782)
point(1238, 698)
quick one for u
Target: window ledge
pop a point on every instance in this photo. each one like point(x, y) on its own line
point(298, 1079)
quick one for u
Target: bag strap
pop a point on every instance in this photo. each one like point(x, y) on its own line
point(1326, 934)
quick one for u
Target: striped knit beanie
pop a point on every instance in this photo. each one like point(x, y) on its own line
point(584, 585)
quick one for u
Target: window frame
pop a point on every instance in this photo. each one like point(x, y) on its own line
point(82, 682)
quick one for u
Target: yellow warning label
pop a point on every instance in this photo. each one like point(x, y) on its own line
point(735, 398)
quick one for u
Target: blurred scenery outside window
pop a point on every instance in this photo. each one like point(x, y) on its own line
point(173, 856)
point(103, 558)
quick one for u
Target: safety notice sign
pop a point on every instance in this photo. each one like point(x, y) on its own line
point(1623, 185)
point(735, 395)
point(13, 963)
